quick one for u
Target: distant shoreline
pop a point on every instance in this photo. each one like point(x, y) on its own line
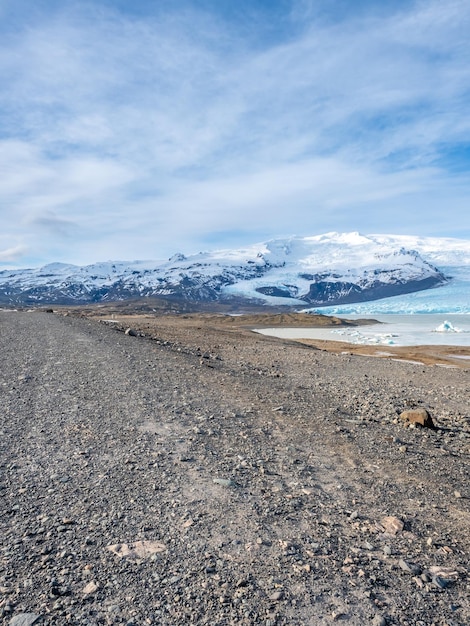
point(443, 356)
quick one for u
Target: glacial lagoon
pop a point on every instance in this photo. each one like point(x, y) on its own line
point(393, 330)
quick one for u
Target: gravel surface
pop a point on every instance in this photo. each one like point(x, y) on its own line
point(189, 474)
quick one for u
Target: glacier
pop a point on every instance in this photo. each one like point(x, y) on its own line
point(450, 255)
point(338, 272)
point(451, 298)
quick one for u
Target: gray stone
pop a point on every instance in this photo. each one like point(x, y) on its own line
point(25, 619)
point(225, 482)
point(441, 583)
point(131, 332)
point(410, 568)
point(276, 596)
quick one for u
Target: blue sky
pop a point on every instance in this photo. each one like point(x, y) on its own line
point(133, 130)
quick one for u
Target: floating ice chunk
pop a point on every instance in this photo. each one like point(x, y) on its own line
point(382, 339)
point(447, 327)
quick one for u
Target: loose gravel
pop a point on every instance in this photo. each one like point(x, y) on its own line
point(187, 474)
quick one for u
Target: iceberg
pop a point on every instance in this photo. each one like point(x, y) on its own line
point(447, 327)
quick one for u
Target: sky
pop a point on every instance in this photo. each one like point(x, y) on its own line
point(135, 130)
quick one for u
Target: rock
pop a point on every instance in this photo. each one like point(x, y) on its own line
point(419, 416)
point(131, 332)
point(392, 525)
point(338, 615)
point(113, 608)
point(440, 583)
point(419, 581)
point(276, 596)
point(25, 619)
point(410, 568)
point(225, 482)
point(442, 577)
point(379, 621)
point(137, 549)
point(91, 588)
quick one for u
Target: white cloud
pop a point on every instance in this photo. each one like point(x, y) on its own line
point(171, 126)
point(10, 255)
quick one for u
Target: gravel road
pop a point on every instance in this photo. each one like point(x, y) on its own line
point(193, 475)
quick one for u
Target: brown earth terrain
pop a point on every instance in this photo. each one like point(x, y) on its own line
point(181, 469)
point(444, 356)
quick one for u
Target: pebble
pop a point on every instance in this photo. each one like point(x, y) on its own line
point(225, 482)
point(276, 596)
point(337, 615)
point(410, 568)
point(24, 619)
point(439, 582)
point(91, 588)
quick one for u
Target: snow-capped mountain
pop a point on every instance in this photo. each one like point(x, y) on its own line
point(451, 256)
point(322, 270)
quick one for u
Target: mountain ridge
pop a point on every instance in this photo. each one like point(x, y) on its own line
point(320, 270)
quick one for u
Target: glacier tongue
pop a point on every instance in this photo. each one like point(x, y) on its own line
point(453, 297)
point(451, 256)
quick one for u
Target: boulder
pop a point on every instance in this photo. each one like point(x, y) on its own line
point(420, 417)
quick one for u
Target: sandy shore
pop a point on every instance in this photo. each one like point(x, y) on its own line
point(443, 356)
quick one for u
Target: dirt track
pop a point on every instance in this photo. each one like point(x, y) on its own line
point(255, 473)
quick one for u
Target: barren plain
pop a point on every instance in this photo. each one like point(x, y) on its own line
point(193, 472)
